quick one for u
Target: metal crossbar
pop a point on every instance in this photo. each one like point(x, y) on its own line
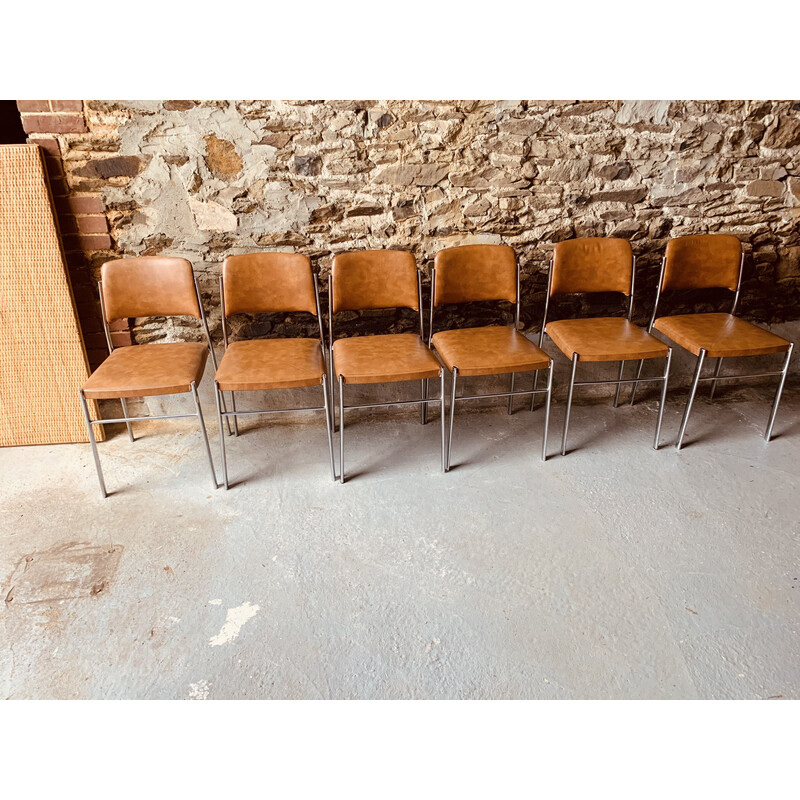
point(500, 394)
point(743, 377)
point(139, 419)
point(270, 411)
point(626, 380)
point(398, 403)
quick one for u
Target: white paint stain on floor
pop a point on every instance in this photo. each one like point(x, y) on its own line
point(199, 690)
point(234, 621)
point(216, 602)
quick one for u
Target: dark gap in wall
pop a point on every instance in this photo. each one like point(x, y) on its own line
point(11, 131)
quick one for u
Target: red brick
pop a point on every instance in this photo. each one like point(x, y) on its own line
point(94, 224)
point(53, 123)
point(50, 146)
point(119, 325)
point(95, 242)
point(67, 105)
point(121, 339)
point(54, 170)
point(85, 204)
point(32, 106)
point(84, 242)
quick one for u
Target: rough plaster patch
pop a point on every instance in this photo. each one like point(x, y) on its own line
point(233, 623)
point(199, 690)
point(211, 216)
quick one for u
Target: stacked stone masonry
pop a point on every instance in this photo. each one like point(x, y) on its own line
point(205, 180)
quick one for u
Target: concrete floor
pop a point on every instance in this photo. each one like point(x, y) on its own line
point(614, 572)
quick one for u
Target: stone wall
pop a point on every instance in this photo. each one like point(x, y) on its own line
point(209, 179)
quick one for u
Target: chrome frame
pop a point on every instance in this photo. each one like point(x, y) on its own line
point(234, 413)
point(423, 401)
point(715, 377)
point(126, 417)
point(510, 394)
point(619, 381)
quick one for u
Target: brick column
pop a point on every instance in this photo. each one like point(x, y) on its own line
point(82, 221)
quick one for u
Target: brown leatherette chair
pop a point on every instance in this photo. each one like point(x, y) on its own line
point(148, 286)
point(371, 279)
point(600, 265)
point(258, 283)
point(485, 272)
point(707, 261)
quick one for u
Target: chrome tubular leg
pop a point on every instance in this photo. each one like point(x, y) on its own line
point(331, 390)
point(424, 405)
point(701, 358)
point(547, 411)
point(569, 404)
point(126, 414)
point(90, 429)
point(441, 400)
point(663, 400)
point(218, 395)
point(328, 423)
point(341, 430)
point(205, 435)
point(714, 383)
point(511, 389)
point(776, 402)
point(638, 375)
point(235, 419)
point(452, 414)
point(227, 419)
point(619, 385)
point(535, 384)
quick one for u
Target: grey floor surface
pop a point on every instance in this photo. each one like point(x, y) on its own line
point(614, 572)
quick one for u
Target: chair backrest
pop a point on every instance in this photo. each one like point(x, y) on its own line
point(596, 264)
point(149, 286)
point(703, 261)
point(374, 279)
point(267, 282)
point(475, 272)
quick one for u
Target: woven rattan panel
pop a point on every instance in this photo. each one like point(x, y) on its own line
point(42, 358)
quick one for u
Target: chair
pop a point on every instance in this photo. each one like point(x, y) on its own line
point(148, 286)
point(371, 279)
point(267, 283)
point(600, 265)
point(484, 272)
point(707, 261)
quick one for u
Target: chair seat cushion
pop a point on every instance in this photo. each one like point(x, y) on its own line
point(384, 359)
point(144, 370)
point(721, 335)
point(257, 364)
point(604, 339)
point(489, 351)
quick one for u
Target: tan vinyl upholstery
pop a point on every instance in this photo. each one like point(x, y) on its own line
point(592, 265)
point(720, 335)
point(494, 350)
point(703, 261)
point(258, 364)
point(148, 286)
point(374, 279)
point(475, 272)
point(384, 359)
point(268, 282)
point(604, 339)
point(143, 370)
